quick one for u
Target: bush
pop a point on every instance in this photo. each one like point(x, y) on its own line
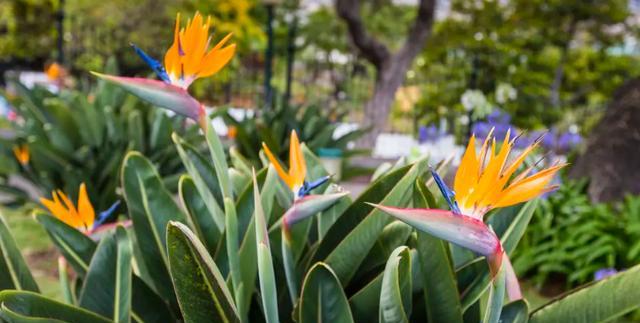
point(74, 138)
point(570, 239)
point(234, 254)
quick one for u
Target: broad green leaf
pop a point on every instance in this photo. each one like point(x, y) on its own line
point(219, 160)
point(266, 274)
point(233, 250)
point(330, 216)
point(246, 229)
point(439, 280)
point(349, 254)
point(199, 216)
point(515, 312)
point(76, 247)
point(23, 306)
point(396, 290)
point(78, 250)
point(151, 207)
point(496, 298)
point(200, 288)
point(439, 277)
point(206, 181)
point(107, 285)
point(357, 212)
point(394, 235)
point(14, 273)
point(65, 284)
point(323, 299)
point(365, 302)
point(598, 302)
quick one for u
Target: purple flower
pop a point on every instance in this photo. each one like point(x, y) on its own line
point(604, 273)
point(481, 129)
point(567, 141)
point(498, 116)
point(430, 133)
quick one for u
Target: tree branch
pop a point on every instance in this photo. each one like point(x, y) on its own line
point(370, 48)
point(420, 30)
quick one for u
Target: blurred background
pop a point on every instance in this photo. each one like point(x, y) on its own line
point(370, 85)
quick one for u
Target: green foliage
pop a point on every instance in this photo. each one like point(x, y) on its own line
point(75, 138)
point(527, 44)
point(570, 238)
point(359, 265)
point(314, 124)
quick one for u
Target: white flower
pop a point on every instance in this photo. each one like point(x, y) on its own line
point(505, 92)
point(473, 99)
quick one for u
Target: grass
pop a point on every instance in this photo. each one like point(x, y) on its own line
point(36, 248)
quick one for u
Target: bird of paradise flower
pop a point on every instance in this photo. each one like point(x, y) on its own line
point(483, 182)
point(82, 215)
point(188, 59)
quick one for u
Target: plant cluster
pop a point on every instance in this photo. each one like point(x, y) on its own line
point(281, 244)
point(570, 239)
point(64, 139)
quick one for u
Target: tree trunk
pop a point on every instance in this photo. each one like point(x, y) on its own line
point(612, 159)
point(377, 109)
point(390, 67)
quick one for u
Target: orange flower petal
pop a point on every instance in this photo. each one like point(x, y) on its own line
point(283, 175)
point(528, 188)
point(85, 209)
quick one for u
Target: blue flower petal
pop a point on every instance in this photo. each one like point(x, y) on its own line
point(154, 64)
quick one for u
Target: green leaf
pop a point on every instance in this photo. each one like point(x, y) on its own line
point(107, 286)
point(266, 274)
point(65, 285)
point(246, 229)
point(440, 287)
point(233, 249)
point(598, 302)
point(323, 299)
point(14, 273)
point(78, 250)
point(198, 213)
point(515, 312)
point(439, 278)
point(350, 252)
point(76, 247)
point(365, 302)
point(395, 294)
point(201, 290)
point(205, 180)
point(22, 306)
point(357, 212)
point(496, 298)
point(219, 160)
point(151, 207)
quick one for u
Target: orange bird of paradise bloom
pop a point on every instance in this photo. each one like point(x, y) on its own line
point(82, 216)
point(190, 57)
point(295, 178)
point(484, 181)
point(22, 154)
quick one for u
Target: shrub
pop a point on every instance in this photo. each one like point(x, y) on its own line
point(570, 238)
point(72, 137)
